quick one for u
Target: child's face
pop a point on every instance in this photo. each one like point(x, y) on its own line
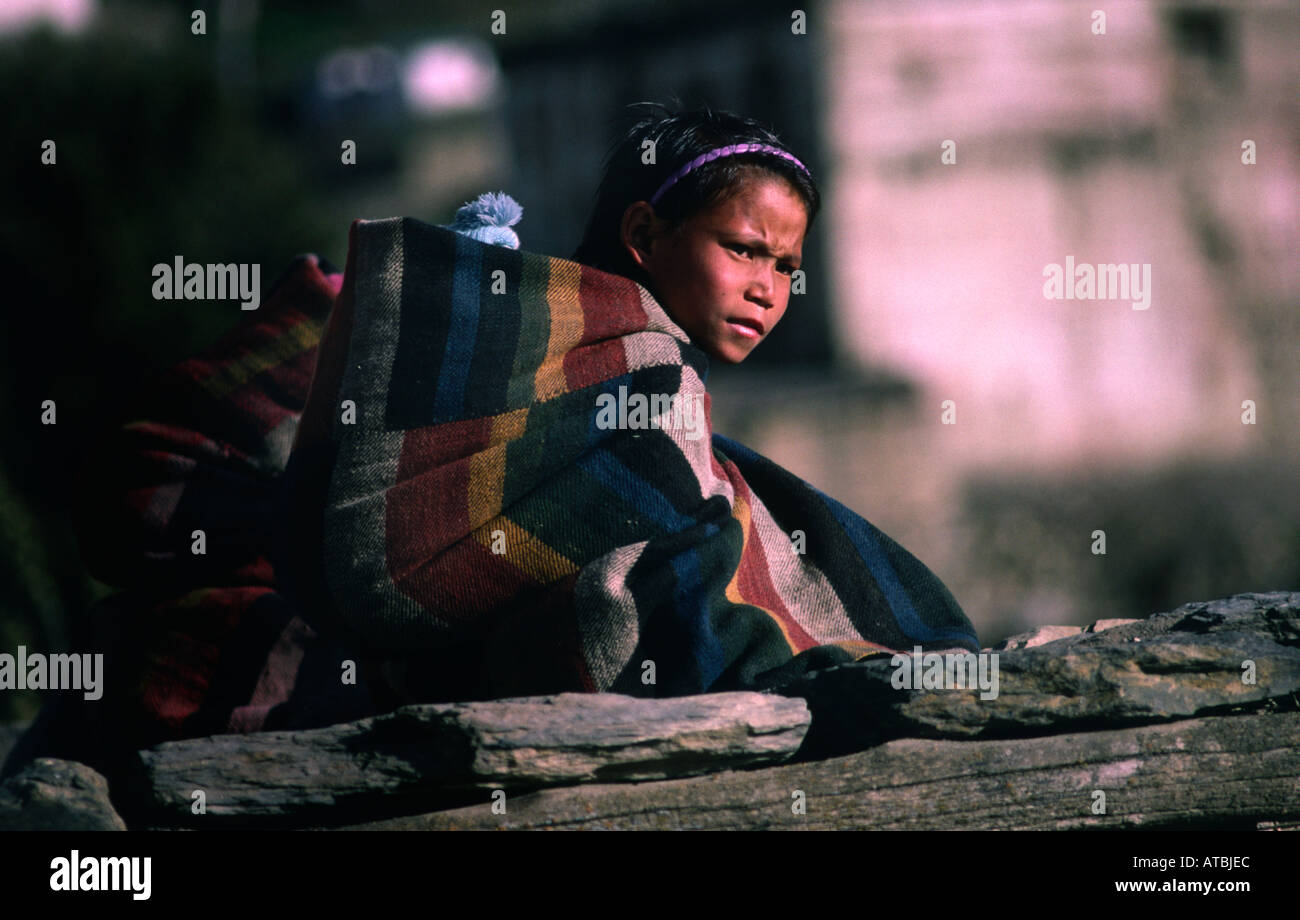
point(724, 274)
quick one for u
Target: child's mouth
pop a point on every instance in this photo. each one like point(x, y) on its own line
point(746, 327)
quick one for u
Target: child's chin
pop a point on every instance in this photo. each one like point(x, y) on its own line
point(730, 354)
point(728, 357)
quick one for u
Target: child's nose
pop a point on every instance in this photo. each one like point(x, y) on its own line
point(762, 287)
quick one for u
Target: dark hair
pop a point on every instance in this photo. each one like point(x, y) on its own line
point(679, 137)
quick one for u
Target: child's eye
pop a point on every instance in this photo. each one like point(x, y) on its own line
point(784, 268)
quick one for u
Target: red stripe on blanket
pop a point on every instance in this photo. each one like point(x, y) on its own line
point(754, 576)
point(610, 309)
point(593, 364)
point(463, 583)
point(427, 509)
point(728, 472)
point(611, 306)
point(425, 448)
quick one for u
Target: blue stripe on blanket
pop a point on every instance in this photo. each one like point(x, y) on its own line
point(606, 469)
point(690, 607)
point(450, 399)
point(859, 531)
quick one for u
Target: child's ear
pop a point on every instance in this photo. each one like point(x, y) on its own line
point(638, 231)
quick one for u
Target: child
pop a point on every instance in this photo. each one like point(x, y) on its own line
point(488, 526)
point(713, 228)
point(454, 523)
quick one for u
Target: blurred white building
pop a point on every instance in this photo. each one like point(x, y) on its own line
point(1117, 147)
point(1126, 147)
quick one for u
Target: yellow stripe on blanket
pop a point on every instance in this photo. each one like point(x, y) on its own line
point(862, 649)
point(296, 339)
point(525, 551)
point(740, 511)
point(487, 468)
point(566, 329)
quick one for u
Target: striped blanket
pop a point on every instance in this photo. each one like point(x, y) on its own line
point(474, 507)
point(506, 478)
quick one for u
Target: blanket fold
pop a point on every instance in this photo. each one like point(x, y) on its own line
point(507, 459)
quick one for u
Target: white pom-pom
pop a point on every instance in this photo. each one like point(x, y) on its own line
point(491, 209)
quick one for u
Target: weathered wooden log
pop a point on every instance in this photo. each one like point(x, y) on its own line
point(1201, 659)
point(1227, 772)
point(49, 794)
point(419, 756)
point(940, 757)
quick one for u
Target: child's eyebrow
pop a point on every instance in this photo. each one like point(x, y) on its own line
point(757, 243)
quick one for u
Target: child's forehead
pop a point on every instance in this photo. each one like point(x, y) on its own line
point(755, 180)
point(768, 202)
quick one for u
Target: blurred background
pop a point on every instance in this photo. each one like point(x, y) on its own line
point(925, 278)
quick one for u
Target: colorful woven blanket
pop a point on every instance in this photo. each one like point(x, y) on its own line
point(504, 482)
point(506, 477)
point(200, 641)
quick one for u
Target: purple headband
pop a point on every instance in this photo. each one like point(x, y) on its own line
point(723, 152)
